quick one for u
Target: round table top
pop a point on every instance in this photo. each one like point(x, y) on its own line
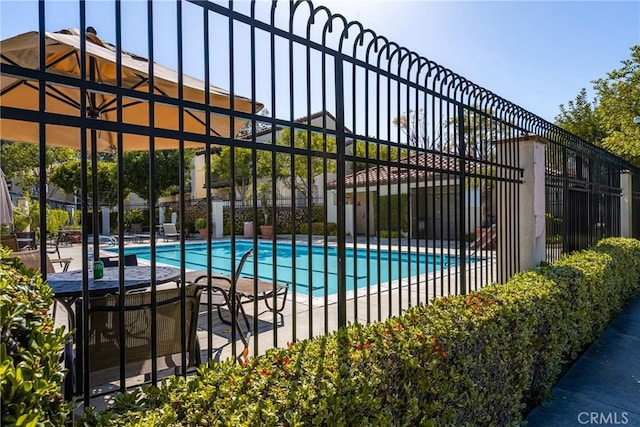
point(68, 284)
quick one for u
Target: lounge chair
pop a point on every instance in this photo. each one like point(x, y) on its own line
point(104, 333)
point(170, 232)
point(137, 235)
point(245, 290)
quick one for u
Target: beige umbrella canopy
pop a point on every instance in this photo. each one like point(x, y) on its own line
point(62, 57)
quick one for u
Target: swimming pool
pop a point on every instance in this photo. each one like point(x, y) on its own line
point(393, 264)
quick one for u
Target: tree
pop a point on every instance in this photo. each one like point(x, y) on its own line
point(580, 118)
point(619, 96)
point(22, 160)
point(301, 180)
point(386, 153)
point(607, 121)
point(480, 134)
point(412, 124)
point(67, 177)
point(167, 171)
point(221, 167)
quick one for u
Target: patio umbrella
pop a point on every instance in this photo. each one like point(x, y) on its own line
point(6, 207)
point(63, 58)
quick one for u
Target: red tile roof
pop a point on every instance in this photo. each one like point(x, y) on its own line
point(415, 167)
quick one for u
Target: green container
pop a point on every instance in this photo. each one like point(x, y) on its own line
point(98, 270)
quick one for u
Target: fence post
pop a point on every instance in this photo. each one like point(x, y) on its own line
point(217, 219)
point(527, 203)
point(532, 203)
point(626, 204)
point(348, 219)
point(106, 222)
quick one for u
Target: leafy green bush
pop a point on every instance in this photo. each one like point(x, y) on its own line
point(200, 223)
point(30, 349)
point(134, 216)
point(389, 217)
point(56, 219)
point(479, 359)
point(27, 216)
point(21, 218)
point(318, 228)
point(24, 217)
point(385, 234)
point(77, 218)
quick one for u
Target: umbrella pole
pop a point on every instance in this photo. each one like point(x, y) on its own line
point(94, 164)
point(94, 187)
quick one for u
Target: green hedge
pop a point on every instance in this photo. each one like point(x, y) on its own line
point(318, 228)
point(480, 359)
point(30, 349)
point(388, 219)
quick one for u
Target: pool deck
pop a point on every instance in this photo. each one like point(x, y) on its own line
point(303, 319)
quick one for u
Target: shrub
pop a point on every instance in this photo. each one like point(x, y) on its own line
point(30, 349)
point(21, 218)
point(134, 216)
point(479, 359)
point(318, 228)
point(77, 218)
point(30, 217)
point(200, 223)
point(56, 219)
point(27, 216)
point(384, 234)
point(389, 217)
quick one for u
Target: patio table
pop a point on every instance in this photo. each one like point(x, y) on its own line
point(67, 286)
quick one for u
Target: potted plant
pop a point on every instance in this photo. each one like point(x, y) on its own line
point(201, 225)
point(267, 228)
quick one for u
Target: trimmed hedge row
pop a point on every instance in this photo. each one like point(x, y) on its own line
point(30, 349)
point(480, 359)
point(318, 228)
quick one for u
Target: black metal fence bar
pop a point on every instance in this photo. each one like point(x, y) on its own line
point(635, 206)
point(583, 197)
point(386, 179)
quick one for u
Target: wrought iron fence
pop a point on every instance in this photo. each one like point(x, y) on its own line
point(417, 167)
point(582, 193)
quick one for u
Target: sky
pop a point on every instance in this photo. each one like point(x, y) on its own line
point(535, 54)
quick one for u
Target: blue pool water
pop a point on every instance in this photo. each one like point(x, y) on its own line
point(401, 263)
